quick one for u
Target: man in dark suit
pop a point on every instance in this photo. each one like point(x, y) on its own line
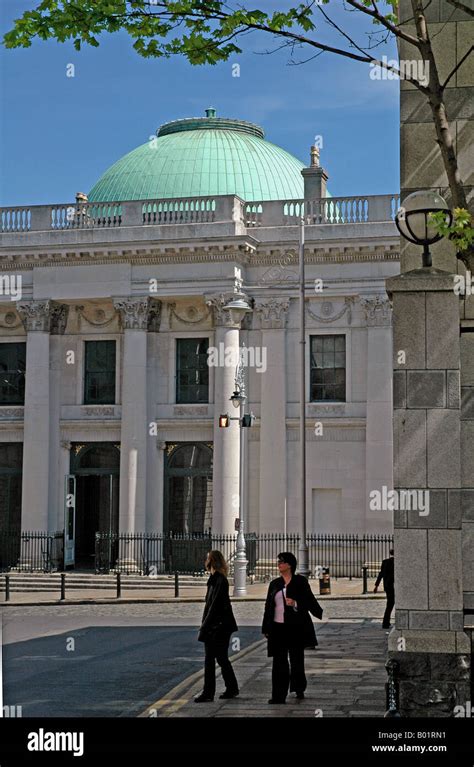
point(387, 573)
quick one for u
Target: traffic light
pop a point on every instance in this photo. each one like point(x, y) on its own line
point(224, 421)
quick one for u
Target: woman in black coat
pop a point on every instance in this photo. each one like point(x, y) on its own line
point(218, 623)
point(289, 628)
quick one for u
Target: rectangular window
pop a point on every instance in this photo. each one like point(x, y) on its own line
point(99, 373)
point(192, 370)
point(12, 374)
point(328, 369)
point(11, 462)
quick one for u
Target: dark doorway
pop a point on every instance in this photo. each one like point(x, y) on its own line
point(11, 461)
point(96, 468)
point(96, 511)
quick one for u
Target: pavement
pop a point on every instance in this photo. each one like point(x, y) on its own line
point(342, 588)
point(346, 678)
point(128, 671)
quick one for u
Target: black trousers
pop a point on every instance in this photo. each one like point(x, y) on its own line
point(218, 650)
point(388, 610)
point(288, 661)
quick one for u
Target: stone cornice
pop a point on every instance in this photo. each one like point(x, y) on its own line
point(265, 254)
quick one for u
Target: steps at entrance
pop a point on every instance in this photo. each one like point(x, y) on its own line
point(81, 581)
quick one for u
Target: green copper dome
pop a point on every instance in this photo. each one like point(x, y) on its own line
point(203, 156)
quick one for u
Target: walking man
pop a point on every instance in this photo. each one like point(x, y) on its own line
point(387, 573)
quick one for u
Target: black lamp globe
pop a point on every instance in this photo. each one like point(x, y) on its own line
point(414, 223)
point(237, 398)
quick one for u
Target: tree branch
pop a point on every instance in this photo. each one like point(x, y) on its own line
point(458, 65)
point(461, 7)
point(375, 14)
point(341, 31)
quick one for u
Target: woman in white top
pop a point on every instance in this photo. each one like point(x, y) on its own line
point(286, 624)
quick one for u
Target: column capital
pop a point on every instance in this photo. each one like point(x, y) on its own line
point(35, 315)
point(221, 315)
point(58, 318)
point(154, 315)
point(43, 316)
point(272, 312)
point(138, 312)
point(377, 310)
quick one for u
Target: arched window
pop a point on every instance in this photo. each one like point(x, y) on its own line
point(188, 488)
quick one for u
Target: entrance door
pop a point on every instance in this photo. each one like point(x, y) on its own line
point(96, 512)
point(96, 470)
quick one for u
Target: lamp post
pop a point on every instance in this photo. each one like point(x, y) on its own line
point(413, 220)
point(303, 555)
point(238, 307)
point(240, 562)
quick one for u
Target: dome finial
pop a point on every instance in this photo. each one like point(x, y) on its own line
point(210, 112)
point(314, 157)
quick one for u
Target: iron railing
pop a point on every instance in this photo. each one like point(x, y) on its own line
point(164, 553)
point(34, 551)
point(157, 553)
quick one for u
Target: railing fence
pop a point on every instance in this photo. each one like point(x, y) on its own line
point(166, 553)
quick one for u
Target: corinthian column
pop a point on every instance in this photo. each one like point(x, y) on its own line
point(39, 450)
point(225, 482)
point(135, 314)
point(273, 480)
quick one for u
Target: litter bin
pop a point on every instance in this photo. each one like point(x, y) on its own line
point(324, 581)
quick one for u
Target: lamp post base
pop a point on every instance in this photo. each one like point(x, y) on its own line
point(303, 560)
point(240, 577)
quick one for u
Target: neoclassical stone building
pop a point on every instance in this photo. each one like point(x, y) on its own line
point(110, 304)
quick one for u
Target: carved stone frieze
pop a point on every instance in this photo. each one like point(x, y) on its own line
point(189, 315)
point(377, 309)
point(328, 314)
point(99, 410)
point(272, 312)
point(12, 412)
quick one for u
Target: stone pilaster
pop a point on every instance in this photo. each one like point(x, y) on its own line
point(135, 314)
point(428, 642)
point(41, 416)
point(378, 444)
point(272, 314)
point(225, 481)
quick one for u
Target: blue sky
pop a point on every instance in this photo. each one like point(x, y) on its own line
point(58, 134)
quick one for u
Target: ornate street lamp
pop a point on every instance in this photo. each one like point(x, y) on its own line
point(237, 308)
point(414, 223)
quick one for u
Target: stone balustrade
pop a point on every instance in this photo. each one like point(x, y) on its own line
point(201, 210)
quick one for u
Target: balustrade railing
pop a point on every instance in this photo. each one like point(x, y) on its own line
point(197, 210)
